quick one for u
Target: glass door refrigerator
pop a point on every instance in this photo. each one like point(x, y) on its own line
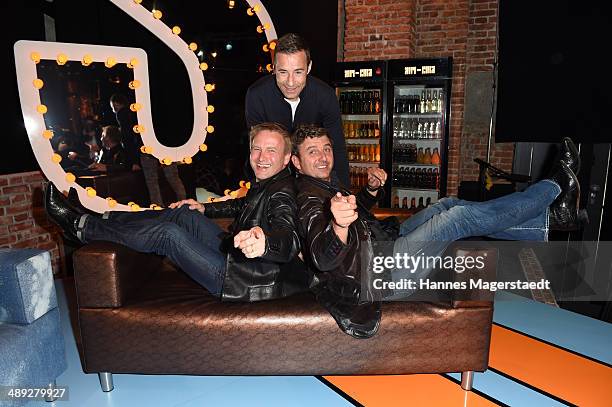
point(360, 90)
point(418, 116)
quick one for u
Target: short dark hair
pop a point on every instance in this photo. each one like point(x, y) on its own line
point(307, 131)
point(120, 99)
point(112, 132)
point(290, 44)
point(275, 127)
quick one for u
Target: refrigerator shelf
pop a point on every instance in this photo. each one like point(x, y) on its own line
point(373, 140)
point(415, 189)
point(418, 115)
point(351, 117)
point(363, 164)
point(416, 140)
point(398, 164)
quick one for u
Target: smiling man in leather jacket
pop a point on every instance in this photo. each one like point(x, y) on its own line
point(336, 238)
point(336, 226)
point(257, 261)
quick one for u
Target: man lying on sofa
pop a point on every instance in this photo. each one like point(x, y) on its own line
point(259, 263)
point(337, 229)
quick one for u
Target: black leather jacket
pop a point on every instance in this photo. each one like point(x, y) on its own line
point(338, 267)
point(269, 204)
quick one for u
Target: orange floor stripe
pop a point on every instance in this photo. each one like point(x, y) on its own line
point(408, 390)
point(558, 372)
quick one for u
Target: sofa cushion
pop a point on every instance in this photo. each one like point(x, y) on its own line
point(26, 285)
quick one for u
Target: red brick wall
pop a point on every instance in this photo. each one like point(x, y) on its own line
point(463, 29)
point(23, 223)
point(379, 29)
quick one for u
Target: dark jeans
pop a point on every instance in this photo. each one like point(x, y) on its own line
point(188, 238)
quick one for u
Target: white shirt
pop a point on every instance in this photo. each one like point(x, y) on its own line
point(294, 104)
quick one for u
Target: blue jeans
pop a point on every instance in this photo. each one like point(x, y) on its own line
point(188, 238)
point(518, 216)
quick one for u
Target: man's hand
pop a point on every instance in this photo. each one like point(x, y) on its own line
point(376, 179)
point(252, 242)
point(98, 167)
point(343, 209)
point(193, 204)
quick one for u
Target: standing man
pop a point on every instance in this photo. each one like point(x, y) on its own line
point(257, 261)
point(292, 97)
point(149, 164)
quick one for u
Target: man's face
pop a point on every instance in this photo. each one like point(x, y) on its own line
point(268, 155)
point(315, 157)
point(107, 142)
point(291, 71)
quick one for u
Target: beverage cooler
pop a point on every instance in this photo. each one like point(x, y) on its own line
point(418, 113)
point(361, 94)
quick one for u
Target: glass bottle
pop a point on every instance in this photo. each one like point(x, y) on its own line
point(435, 157)
point(420, 155)
point(422, 102)
point(427, 156)
point(376, 102)
point(396, 201)
point(405, 202)
point(421, 206)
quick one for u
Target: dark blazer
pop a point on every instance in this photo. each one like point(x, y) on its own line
point(264, 102)
point(271, 205)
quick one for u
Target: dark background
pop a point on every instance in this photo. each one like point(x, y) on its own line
point(209, 23)
point(553, 71)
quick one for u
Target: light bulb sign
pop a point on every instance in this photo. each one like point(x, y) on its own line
point(29, 53)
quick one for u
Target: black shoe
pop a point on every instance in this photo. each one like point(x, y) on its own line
point(360, 321)
point(563, 213)
point(569, 155)
point(62, 212)
point(73, 198)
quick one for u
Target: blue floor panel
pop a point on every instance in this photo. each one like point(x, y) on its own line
point(567, 329)
point(507, 391)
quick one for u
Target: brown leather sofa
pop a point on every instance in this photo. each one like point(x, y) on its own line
point(139, 314)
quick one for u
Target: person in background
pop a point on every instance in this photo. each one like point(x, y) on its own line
point(112, 158)
point(149, 164)
point(292, 97)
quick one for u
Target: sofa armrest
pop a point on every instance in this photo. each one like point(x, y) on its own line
point(107, 273)
point(473, 297)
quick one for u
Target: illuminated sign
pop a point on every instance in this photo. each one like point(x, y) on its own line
point(423, 70)
point(358, 73)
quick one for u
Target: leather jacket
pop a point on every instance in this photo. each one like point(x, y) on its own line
point(269, 204)
point(337, 266)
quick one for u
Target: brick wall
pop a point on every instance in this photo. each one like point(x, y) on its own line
point(23, 223)
point(463, 29)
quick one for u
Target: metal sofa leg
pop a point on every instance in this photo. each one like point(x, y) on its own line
point(106, 381)
point(50, 397)
point(467, 378)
